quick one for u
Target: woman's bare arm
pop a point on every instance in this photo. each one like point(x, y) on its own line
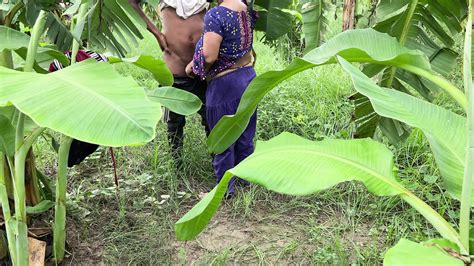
point(211, 46)
point(160, 37)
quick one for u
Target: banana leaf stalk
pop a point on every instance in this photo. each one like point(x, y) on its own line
point(81, 17)
point(22, 147)
point(59, 231)
point(6, 210)
point(403, 38)
point(465, 214)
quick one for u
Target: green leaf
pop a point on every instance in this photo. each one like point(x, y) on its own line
point(40, 207)
point(273, 21)
point(81, 21)
point(88, 101)
point(12, 39)
point(9, 112)
point(356, 45)
point(7, 136)
point(393, 130)
point(431, 22)
point(191, 224)
point(338, 161)
point(73, 8)
point(55, 28)
point(293, 165)
point(111, 17)
point(407, 252)
point(444, 129)
point(176, 100)
point(157, 67)
point(442, 61)
point(442, 243)
point(314, 22)
point(18, 41)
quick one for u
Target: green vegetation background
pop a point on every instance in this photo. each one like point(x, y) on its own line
point(344, 225)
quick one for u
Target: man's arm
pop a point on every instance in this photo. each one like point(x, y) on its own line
point(160, 37)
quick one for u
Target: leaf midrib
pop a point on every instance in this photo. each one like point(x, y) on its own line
point(337, 158)
point(171, 99)
point(85, 90)
point(426, 130)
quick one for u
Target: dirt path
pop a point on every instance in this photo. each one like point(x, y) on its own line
point(234, 240)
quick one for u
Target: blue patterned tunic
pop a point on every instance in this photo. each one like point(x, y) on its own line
point(236, 29)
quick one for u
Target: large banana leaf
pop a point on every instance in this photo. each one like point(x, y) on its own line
point(9, 112)
point(293, 165)
point(407, 252)
point(88, 101)
point(55, 26)
point(428, 27)
point(110, 26)
point(7, 136)
point(445, 130)
point(12, 39)
point(157, 67)
point(314, 22)
point(272, 20)
point(176, 100)
point(365, 45)
point(18, 42)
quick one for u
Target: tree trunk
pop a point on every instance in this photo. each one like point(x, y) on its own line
point(348, 15)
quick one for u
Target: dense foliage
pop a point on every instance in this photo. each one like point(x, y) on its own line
point(91, 102)
point(292, 165)
point(400, 57)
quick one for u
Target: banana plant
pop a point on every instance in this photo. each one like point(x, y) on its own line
point(111, 25)
point(361, 45)
point(315, 22)
point(292, 165)
point(126, 117)
point(91, 103)
point(428, 26)
point(272, 19)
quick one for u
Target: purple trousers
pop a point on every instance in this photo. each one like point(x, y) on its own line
point(222, 98)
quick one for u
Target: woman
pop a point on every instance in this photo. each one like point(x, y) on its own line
point(223, 56)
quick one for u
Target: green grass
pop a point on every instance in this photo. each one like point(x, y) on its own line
point(133, 224)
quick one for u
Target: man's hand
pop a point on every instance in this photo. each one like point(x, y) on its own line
point(161, 38)
point(189, 70)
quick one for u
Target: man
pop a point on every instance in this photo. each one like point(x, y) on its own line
point(183, 23)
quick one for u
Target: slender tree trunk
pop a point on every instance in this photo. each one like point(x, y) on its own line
point(348, 20)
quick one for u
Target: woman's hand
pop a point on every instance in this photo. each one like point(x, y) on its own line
point(189, 70)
